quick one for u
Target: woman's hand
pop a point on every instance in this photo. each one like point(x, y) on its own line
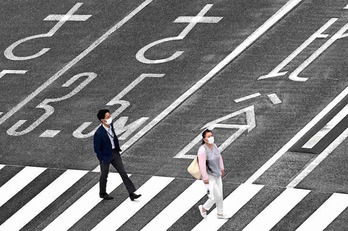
point(223, 173)
point(206, 181)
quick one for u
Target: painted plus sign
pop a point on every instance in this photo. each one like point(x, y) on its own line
point(68, 16)
point(193, 20)
point(62, 18)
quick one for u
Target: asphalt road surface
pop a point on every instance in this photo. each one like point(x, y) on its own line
point(268, 77)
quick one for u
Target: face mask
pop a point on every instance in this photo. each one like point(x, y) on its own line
point(109, 121)
point(210, 140)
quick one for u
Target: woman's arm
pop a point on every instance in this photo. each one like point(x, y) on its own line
point(202, 161)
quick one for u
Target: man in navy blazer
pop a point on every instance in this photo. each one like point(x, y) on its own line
point(107, 148)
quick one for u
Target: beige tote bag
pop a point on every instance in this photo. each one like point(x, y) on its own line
point(193, 169)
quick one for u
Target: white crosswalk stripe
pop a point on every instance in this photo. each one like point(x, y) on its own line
point(18, 182)
point(83, 205)
point(1, 166)
point(232, 204)
point(175, 212)
point(177, 208)
point(128, 208)
point(42, 200)
point(278, 208)
point(326, 213)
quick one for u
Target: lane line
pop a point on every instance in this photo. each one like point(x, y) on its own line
point(83, 205)
point(18, 182)
point(298, 136)
point(326, 213)
point(128, 208)
point(42, 200)
point(177, 208)
point(1, 166)
point(276, 210)
point(232, 204)
point(247, 97)
point(274, 98)
point(310, 167)
point(234, 54)
point(327, 128)
point(74, 61)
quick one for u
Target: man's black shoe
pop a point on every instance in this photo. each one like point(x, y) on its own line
point(134, 196)
point(106, 197)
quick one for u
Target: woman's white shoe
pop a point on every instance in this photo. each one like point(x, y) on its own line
point(203, 214)
point(223, 216)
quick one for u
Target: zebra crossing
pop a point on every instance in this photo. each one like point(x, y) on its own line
point(319, 217)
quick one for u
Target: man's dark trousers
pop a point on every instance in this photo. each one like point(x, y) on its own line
point(116, 161)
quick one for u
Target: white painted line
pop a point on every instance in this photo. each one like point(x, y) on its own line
point(1, 166)
point(232, 204)
point(74, 61)
point(18, 72)
point(83, 205)
point(128, 208)
point(310, 167)
point(326, 213)
point(18, 182)
point(346, 7)
point(235, 53)
point(247, 97)
point(178, 207)
point(298, 136)
point(50, 133)
point(327, 128)
point(274, 98)
point(61, 17)
point(276, 210)
point(42, 200)
point(1, 113)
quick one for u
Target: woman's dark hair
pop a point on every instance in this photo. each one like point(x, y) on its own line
point(204, 133)
point(101, 113)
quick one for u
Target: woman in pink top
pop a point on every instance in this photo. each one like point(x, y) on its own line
point(212, 169)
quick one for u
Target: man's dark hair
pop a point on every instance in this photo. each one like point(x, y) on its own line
point(101, 113)
point(204, 133)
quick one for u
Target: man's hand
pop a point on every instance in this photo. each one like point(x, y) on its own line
point(206, 181)
point(223, 173)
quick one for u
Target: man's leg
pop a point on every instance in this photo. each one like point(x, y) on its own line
point(118, 165)
point(104, 172)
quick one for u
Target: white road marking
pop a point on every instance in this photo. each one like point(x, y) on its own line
point(18, 182)
point(232, 204)
point(251, 124)
point(4, 72)
point(346, 7)
point(318, 34)
point(128, 208)
point(247, 97)
point(42, 200)
point(120, 124)
point(1, 113)
point(235, 53)
point(9, 50)
point(1, 166)
point(61, 17)
point(49, 110)
point(310, 167)
point(326, 213)
point(140, 56)
point(276, 210)
point(74, 61)
point(338, 35)
point(274, 98)
point(176, 209)
point(326, 129)
point(50, 133)
point(83, 205)
point(298, 136)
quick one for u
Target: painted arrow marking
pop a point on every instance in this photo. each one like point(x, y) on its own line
point(250, 125)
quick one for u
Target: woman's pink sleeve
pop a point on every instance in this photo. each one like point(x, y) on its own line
point(202, 159)
point(221, 163)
